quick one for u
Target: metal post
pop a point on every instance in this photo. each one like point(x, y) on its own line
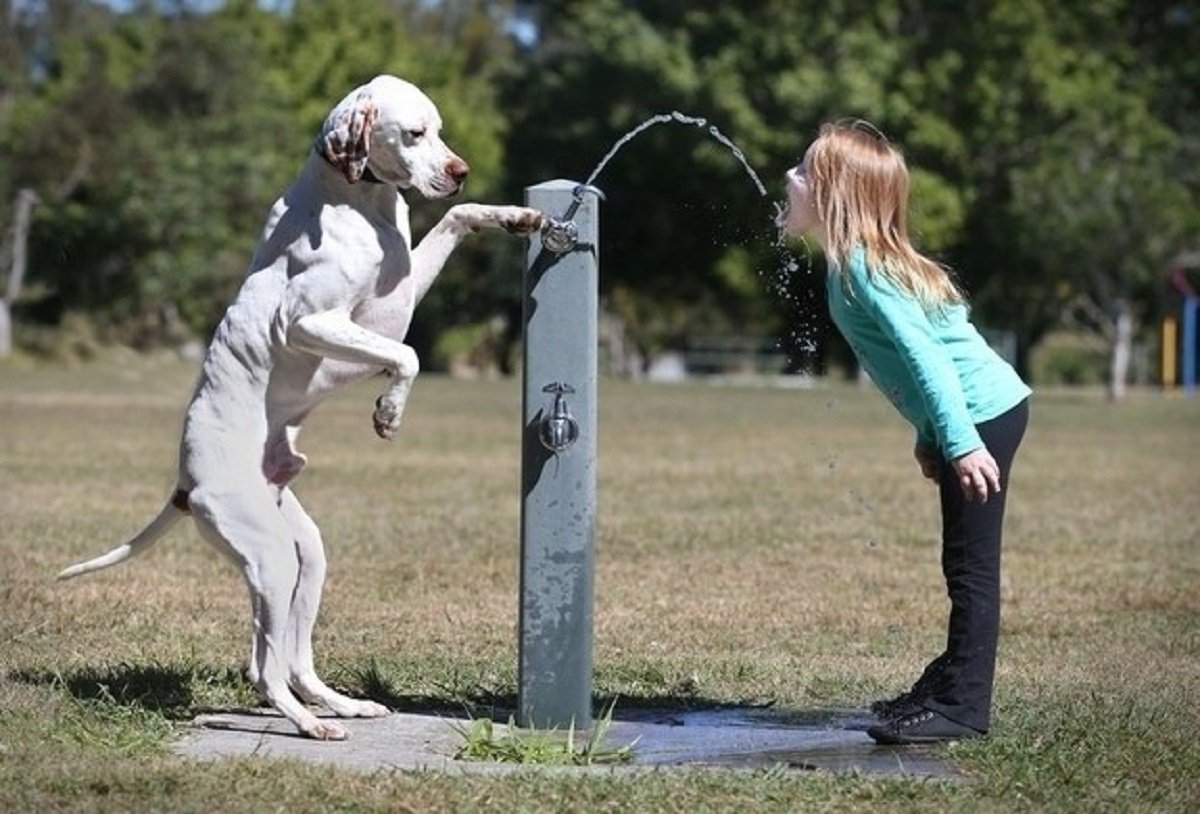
point(1170, 338)
point(558, 468)
point(1191, 306)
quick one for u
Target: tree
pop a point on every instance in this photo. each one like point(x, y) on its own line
point(27, 199)
point(1071, 120)
point(174, 128)
point(688, 241)
point(59, 166)
point(1103, 204)
point(196, 121)
point(188, 148)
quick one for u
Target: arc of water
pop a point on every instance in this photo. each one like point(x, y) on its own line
point(681, 118)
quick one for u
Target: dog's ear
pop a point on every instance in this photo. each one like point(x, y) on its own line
point(346, 138)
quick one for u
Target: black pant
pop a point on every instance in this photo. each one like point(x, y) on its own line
point(971, 564)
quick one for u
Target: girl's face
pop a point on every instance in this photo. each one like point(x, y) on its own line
point(800, 218)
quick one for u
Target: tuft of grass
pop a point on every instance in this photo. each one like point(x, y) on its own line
point(104, 724)
point(1095, 750)
point(541, 747)
point(99, 723)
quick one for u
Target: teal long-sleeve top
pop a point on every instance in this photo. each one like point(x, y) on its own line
point(935, 368)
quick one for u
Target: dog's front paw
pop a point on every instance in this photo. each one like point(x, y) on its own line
point(387, 417)
point(520, 220)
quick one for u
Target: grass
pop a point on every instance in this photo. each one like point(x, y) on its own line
point(542, 747)
point(755, 546)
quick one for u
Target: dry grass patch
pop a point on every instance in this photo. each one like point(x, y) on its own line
point(754, 545)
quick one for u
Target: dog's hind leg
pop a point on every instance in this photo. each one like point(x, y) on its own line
point(302, 616)
point(246, 523)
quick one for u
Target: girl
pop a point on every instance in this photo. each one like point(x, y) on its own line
point(907, 323)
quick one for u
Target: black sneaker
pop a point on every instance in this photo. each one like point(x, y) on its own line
point(912, 699)
point(906, 703)
point(925, 726)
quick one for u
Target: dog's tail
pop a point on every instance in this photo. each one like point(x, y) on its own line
point(171, 513)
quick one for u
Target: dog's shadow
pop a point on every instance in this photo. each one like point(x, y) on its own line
point(182, 692)
point(168, 690)
point(185, 693)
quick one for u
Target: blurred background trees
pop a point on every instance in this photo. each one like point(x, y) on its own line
point(1054, 148)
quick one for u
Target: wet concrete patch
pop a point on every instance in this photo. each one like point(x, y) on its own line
point(740, 737)
point(735, 738)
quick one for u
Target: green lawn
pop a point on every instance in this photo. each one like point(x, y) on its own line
point(755, 545)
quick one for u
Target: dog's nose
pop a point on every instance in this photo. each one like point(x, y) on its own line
point(458, 170)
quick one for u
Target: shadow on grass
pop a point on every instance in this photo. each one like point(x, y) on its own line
point(463, 698)
point(676, 707)
point(181, 692)
point(176, 692)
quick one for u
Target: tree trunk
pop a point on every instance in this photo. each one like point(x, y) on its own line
point(613, 336)
point(5, 330)
point(27, 199)
point(1122, 348)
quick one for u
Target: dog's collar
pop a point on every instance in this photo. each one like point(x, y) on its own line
point(370, 177)
point(367, 175)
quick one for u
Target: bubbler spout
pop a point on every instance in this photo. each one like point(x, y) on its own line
point(561, 235)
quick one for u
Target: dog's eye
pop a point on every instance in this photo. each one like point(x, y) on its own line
point(415, 135)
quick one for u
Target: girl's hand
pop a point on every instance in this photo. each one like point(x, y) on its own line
point(929, 460)
point(978, 474)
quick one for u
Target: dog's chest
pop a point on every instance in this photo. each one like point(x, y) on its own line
point(395, 263)
point(386, 307)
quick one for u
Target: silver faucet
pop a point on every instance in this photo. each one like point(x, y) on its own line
point(561, 235)
point(558, 429)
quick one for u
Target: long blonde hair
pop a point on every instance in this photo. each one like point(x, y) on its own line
point(859, 184)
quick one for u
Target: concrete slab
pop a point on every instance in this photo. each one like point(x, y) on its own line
point(732, 738)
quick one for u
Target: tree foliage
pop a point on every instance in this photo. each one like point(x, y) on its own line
point(185, 127)
point(1052, 149)
point(1053, 145)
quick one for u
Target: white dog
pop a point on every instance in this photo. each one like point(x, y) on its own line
point(328, 300)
